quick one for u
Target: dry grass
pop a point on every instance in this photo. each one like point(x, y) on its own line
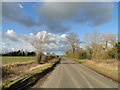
point(20, 69)
point(106, 68)
point(38, 66)
point(23, 72)
point(17, 70)
point(109, 64)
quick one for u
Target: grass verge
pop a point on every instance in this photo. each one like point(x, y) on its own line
point(104, 71)
point(30, 78)
point(113, 74)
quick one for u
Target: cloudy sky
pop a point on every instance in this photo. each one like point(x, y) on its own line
point(21, 20)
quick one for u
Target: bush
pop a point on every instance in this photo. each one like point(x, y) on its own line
point(114, 53)
point(57, 56)
point(79, 54)
point(43, 59)
point(52, 56)
point(105, 55)
point(49, 57)
point(38, 57)
point(82, 55)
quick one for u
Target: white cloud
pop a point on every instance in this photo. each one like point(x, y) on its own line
point(13, 49)
point(3, 43)
point(63, 35)
point(4, 46)
point(20, 6)
point(31, 34)
point(56, 43)
point(10, 32)
point(3, 49)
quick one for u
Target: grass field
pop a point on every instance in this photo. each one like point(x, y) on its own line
point(14, 59)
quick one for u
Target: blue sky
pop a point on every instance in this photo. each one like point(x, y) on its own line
point(59, 20)
point(78, 28)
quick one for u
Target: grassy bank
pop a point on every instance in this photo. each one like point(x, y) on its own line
point(113, 74)
point(25, 77)
point(14, 59)
point(110, 73)
point(32, 76)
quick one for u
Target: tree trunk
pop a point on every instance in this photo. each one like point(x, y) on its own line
point(106, 46)
point(73, 50)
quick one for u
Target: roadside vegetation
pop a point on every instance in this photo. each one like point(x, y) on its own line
point(23, 65)
point(21, 75)
point(98, 52)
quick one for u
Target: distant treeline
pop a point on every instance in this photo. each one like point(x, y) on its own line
point(113, 53)
point(19, 53)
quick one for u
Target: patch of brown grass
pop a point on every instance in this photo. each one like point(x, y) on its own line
point(109, 64)
point(16, 70)
point(107, 68)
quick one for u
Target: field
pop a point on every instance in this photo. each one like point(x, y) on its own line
point(14, 59)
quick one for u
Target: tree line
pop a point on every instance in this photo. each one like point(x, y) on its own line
point(19, 53)
point(95, 46)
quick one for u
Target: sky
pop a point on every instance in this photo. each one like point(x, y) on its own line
point(20, 20)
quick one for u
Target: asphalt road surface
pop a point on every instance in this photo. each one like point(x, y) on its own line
point(70, 74)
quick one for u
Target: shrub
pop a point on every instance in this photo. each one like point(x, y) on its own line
point(79, 54)
point(43, 59)
point(57, 56)
point(52, 56)
point(38, 57)
point(47, 58)
point(105, 55)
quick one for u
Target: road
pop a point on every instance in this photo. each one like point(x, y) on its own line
point(70, 74)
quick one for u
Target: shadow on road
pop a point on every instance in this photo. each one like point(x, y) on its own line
point(69, 63)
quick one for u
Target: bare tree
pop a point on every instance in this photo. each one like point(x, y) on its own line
point(86, 42)
point(108, 38)
point(38, 42)
point(96, 45)
point(92, 42)
point(73, 41)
